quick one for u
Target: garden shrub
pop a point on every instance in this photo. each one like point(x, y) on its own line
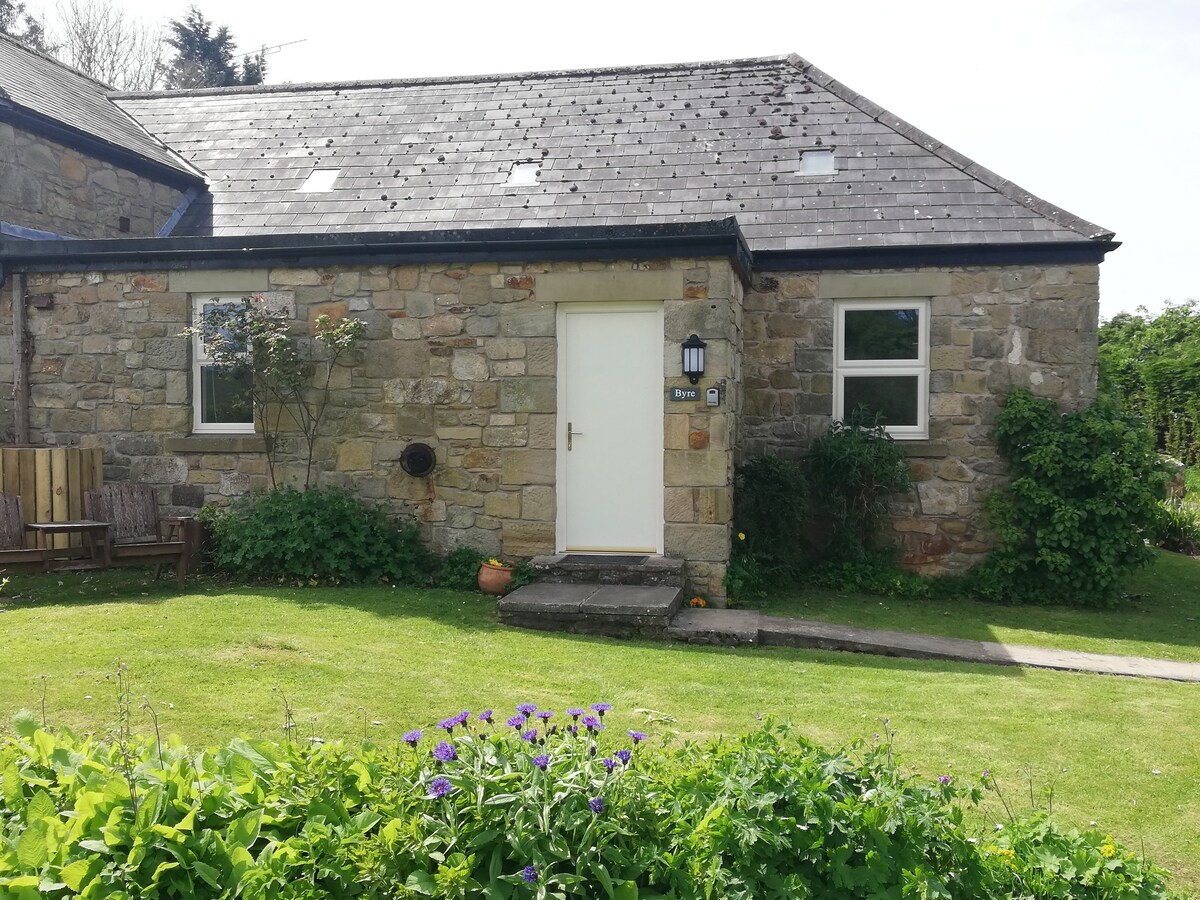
point(318, 534)
point(1082, 503)
point(523, 808)
point(853, 468)
point(770, 515)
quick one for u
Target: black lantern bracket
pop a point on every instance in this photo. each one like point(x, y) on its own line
point(693, 358)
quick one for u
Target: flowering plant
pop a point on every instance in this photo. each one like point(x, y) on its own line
point(498, 563)
point(697, 602)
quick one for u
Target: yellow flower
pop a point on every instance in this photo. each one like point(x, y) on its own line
point(697, 601)
point(1108, 851)
point(499, 564)
point(741, 535)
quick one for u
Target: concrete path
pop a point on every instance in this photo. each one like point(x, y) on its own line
point(736, 626)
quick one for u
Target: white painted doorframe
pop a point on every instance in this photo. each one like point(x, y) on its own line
point(615, 394)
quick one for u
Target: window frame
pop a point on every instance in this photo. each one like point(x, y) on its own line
point(200, 359)
point(919, 367)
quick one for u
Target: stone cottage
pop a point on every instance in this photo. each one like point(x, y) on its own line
point(531, 255)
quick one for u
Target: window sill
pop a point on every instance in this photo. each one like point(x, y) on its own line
point(923, 449)
point(217, 443)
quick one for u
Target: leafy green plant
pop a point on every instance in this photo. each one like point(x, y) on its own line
point(316, 535)
point(537, 805)
point(1081, 506)
point(252, 336)
point(853, 469)
point(1179, 526)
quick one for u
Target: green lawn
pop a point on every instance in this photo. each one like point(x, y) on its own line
point(1161, 617)
point(1117, 751)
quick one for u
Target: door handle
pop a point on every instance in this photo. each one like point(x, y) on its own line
point(570, 434)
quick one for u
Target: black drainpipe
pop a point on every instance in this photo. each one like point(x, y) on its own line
point(21, 353)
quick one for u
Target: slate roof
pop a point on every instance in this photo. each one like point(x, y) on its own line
point(673, 143)
point(38, 84)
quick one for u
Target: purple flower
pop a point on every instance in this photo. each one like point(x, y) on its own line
point(943, 779)
point(987, 773)
point(574, 712)
point(601, 708)
point(592, 750)
point(517, 722)
point(451, 723)
point(530, 874)
point(541, 761)
point(638, 736)
point(445, 752)
point(574, 729)
point(591, 723)
point(624, 756)
point(596, 804)
point(411, 737)
point(486, 716)
point(609, 763)
point(545, 714)
point(530, 735)
point(527, 709)
point(439, 787)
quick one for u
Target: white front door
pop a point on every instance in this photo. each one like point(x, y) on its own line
point(610, 427)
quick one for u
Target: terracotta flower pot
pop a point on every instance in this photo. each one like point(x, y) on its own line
point(494, 580)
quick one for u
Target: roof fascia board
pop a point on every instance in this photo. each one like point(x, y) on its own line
point(100, 149)
point(1001, 185)
point(705, 239)
point(1026, 254)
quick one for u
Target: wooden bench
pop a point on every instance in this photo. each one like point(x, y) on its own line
point(137, 534)
point(12, 536)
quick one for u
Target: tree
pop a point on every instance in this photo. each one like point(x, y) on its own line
point(1152, 365)
point(101, 40)
point(252, 336)
point(17, 23)
point(205, 55)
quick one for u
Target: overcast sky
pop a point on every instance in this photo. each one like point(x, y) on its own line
point(1091, 104)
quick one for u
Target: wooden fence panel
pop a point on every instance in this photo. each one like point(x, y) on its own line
point(51, 482)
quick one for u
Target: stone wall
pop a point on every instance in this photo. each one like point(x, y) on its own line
point(461, 357)
point(991, 330)
point(50, 187)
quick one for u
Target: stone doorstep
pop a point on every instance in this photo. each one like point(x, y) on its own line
point(656, 570)
point(592, 608)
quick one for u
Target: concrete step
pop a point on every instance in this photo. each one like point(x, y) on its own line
point(574, 568)
point(618, 610)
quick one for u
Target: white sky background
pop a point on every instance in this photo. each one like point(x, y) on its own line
point(1092, 104)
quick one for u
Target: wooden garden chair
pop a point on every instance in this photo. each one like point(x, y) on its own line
point(137, 534)
point(12, 534)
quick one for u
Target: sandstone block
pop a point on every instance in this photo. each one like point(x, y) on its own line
point(527, 538)
point(522, 467)
point(714, 506)
point(159, 470)
point(481, 459)
point(468, 365)
point(538, 504)
point(697, 542)
point(528, 395)
point(442, 325)
point(695, 468)
point(679, 504)
point(503, 505)
point(939, 499)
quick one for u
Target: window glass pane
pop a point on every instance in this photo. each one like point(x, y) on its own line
point(882, 333)
point(225, 396)
point(893, 397)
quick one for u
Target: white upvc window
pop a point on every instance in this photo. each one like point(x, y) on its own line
point(220, 397)
point(881, 361)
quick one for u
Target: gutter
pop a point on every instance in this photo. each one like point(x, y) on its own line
point(721, 238)
point(910, 257)
point(22, 350)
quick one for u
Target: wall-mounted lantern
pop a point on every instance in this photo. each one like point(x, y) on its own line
point(693, 358)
